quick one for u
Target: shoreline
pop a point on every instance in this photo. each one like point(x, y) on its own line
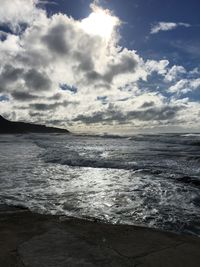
point(35, 240)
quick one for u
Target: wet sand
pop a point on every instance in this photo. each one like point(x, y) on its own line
point(34, 240)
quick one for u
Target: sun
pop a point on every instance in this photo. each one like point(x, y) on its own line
point(100, 22)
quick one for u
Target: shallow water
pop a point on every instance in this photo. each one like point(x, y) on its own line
point(151, 180)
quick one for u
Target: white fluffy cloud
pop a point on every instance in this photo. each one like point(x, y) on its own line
point(16, 12)
point(174, 73)
point(184, 86)
point(159, 67)
point(167, 26)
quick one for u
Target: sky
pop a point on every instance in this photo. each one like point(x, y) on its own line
point(106, 66)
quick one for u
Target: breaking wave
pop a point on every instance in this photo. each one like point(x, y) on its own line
point(150, 180)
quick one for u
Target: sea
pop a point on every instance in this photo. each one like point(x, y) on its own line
point(147, 180)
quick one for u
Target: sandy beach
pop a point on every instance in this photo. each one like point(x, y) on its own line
point(34, 240)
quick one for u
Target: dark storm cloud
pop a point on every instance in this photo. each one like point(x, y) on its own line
point(96, 117)
point(9, 75)
point(86, 62)
point(154, 113)
point(94, 75)
point(123, 99)
point(147, 104)
point(56, 39)
point(36, 114)
point(36, 80)
point(127, 64)
point(55, 97)
point(101, 116)
point(51, 106)
point(33, 58)
point(44, 106)
point(23, 96)
point(163, 113)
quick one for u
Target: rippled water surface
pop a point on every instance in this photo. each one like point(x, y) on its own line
point(151, 180)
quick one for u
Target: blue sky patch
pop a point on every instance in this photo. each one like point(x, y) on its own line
point(66, 87)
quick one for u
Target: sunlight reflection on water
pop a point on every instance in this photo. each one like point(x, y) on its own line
point(134, 196)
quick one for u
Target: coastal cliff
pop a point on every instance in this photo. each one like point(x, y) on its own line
point(9, 127)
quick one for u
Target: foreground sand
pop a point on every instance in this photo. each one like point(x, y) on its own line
point(33, 240)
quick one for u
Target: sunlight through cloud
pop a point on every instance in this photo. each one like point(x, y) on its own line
point(100, 22)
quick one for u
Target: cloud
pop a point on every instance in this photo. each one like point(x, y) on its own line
point(159, 67)
point(125, 63)
point(57, 38)
point(9, 76)
point(59, 48)
point(46, 2)
point(174, 73)
point(189, 47)
point(147, 104)
point(149, 112)
point(184, 86)
point(12, 78)
point(23, 96)
point(19, 12)
point(53, 70)
point(167, 26)
point(43, 106)
point(36, 80)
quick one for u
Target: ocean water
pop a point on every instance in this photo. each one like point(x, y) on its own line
point(148, 180)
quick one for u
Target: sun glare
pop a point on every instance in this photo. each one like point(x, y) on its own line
point(100, 22)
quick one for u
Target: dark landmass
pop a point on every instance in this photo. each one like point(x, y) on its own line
point(9, 127)
point(32, 240)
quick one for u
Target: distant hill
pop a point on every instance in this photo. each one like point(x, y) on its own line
point(7, 127)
